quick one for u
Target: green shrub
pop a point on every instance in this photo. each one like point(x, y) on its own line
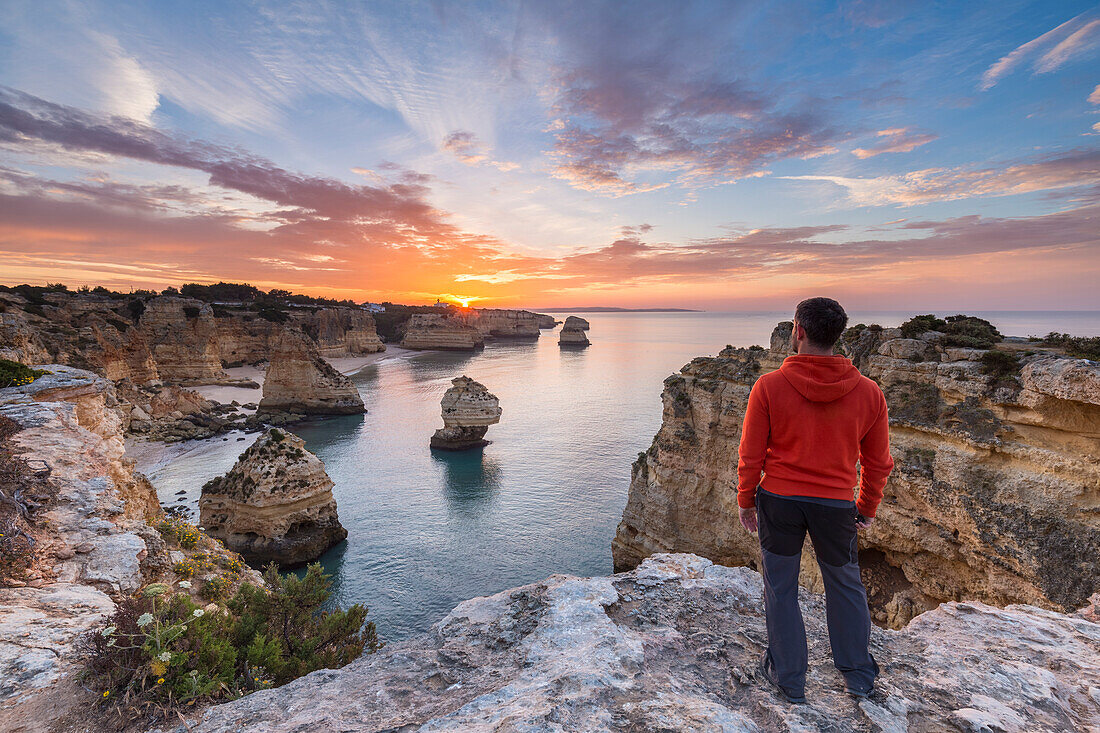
point(176, 528)
point(14, 374)
point(958, 330)
point(1000, 364)
point(159, 650)
point(190, 311)
point(1080, 347)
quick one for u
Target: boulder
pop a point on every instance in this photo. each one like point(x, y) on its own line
point(468, 411)
point(275, 504)
point(300, 380)
point(576, 322)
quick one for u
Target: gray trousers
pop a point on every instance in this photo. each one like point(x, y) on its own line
point(783, 525)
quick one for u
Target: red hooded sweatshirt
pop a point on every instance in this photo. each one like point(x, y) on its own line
point(806, 425)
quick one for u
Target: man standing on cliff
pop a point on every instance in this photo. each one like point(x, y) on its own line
point(806, 425)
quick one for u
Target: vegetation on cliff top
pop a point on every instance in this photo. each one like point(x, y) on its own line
point(1079, 347)
point(159, 650)
point(957, 330)
point(15, 374)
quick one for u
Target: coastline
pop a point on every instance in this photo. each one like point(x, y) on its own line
point(154, 458)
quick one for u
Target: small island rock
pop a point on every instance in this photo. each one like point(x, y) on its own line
point(573, 333)
point(275, 504)
point(468, 411)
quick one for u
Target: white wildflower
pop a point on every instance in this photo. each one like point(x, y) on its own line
point(145, 619)
point(198, 612)
point(185, 584)
point(165, 656)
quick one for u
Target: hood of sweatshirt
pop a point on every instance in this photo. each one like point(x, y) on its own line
point(820, 378)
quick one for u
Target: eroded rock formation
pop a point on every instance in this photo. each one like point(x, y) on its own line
point(275, 504)
point(573, 332)
point(182, 337)
point(468, 411)
point(439, 331)
point(300, 380)
point(992, 498)
point(503, 323)
point(673, 646)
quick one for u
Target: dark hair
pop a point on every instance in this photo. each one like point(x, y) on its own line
point(823, 319)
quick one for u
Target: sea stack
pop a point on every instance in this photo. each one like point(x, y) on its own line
point(573, 333)
point(275, 504)
point(300, 380)
point(468, 411)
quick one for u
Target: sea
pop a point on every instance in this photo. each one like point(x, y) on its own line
point(428, 529)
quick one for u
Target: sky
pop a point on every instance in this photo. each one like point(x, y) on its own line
point(712, 155)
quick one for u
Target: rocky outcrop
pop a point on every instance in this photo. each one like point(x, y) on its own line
point(442, 332)
point(546, 321)
point(343, 332)
point(673, 646)
point(501, 323)
point(299, 380)
point(573, 332)
point(93, 541)
point(182, 335)
point(275, 504)
point(992, 498)
point(468, 411)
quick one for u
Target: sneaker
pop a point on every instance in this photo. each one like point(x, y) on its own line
point(769, 674)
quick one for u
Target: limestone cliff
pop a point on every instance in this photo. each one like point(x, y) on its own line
point(182, 335)
point(342, 332)
point(94, 539)
point(673, 646)
point(468, 411)
point(502, 323)
point(299, 380)
point(992, 498)
point(275, 504)
point(443, 332)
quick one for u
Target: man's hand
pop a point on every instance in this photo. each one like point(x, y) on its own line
point(863, 522)
point(748, 518)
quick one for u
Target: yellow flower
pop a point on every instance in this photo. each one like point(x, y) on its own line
point(160, 681)
point(106, 693)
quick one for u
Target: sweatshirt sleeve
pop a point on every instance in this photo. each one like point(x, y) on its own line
point(754, 445)
point(875, 463)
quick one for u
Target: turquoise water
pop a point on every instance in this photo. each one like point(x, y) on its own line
point(429, 529)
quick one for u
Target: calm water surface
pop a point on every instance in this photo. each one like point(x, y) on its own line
point(429, 529)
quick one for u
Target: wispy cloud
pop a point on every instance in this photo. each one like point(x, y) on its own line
point(466, 146)
point(1071, 169)
point(1054, 48)
point(895, 140)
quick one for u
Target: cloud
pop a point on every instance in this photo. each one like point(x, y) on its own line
point(1071, 169)
point(1057, 46)
point(1094, 98)
point(635, 110)
point(895, 140)
point(466, 146)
